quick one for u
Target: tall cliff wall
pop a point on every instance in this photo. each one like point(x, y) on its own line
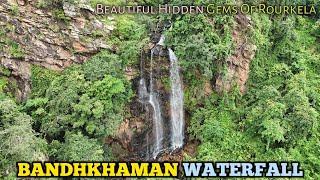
point(52, 37)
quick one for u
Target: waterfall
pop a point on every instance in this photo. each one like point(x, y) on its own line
point(157, 116)
point(157, 124)
point(161, 41)
point(176, 103)
point(151, 97)
point(143, 92)
point(176, 100)
point(154, 101)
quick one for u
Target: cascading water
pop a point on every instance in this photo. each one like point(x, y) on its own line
point(161, 41)
point(143, 92)
point(158, 124)
point(176, 103)
point(151, 97)
point(153, 100)
point(157, 116)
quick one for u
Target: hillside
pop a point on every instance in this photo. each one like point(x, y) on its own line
point(76, 86)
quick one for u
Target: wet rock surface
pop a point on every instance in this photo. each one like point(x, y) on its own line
point(143, 143)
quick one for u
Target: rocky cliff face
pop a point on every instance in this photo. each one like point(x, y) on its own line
point(237, 72)
point(59, 37)
point(54, 39)
point(136, 133)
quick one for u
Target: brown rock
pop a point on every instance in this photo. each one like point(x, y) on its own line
point(69, 9)
point(125, 133)
point(63, 54)
point(46, 41)
point(78, 47)
point(21, 2)
point(130, 73)
point(3, 18)
point(239, 62)
point(207, 88)
point(21, 73)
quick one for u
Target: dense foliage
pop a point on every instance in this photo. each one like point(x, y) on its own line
point(201, 45)
point(18, 140)
point(70, 113)
point(278, 118)
point(79, 101)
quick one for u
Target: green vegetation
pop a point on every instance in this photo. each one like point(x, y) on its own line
point(211, 43)
point(4, 74)
point(56, 6)
point(278, 118)
point(18, 141)
point(70, 113)
point(78, 148)
point(130, 37)
point(14, 49)
point(59, 14)
point(14, 10)
point(52, 3)
point(202, 44)
point(41, 79)
point(81, 100)
point(8, 45)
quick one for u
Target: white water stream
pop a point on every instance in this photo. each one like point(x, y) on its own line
point(176, 104)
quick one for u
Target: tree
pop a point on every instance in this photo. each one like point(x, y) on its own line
point(18, 141)
point(78, 147)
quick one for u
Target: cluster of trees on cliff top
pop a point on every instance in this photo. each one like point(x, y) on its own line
point(70, 113)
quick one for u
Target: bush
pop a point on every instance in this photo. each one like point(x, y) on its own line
point(199, 43)
point(41, 79)
point(80, 148)
point(18, 140)
point(89, 98)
